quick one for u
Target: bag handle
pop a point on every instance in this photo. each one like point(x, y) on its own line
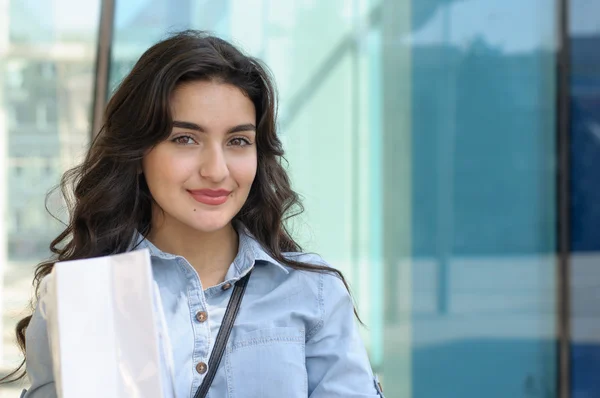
point(216, 355)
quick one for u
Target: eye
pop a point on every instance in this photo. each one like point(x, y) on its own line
point(184, 140)
point(239, 141)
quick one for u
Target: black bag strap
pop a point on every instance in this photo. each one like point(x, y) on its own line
point(216, 355)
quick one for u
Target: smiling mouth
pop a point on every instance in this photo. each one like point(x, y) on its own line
point(209, 196)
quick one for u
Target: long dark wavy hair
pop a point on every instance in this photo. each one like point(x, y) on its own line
point(108, 200)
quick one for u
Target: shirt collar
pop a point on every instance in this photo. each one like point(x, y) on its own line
point(250, 251)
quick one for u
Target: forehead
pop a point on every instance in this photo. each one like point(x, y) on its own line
point(209, 101)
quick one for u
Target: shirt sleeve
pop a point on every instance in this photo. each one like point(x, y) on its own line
point(39, 360)
point(336, 359)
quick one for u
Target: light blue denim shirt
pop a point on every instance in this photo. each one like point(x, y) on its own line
point(295, 334)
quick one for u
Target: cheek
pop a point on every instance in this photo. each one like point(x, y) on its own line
point(161, 170)
point(244, 171)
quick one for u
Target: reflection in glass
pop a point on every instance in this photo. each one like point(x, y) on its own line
point(483, 194)
point(584, 39)
point(46, 77)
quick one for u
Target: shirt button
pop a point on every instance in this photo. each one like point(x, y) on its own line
point(201, 368)
point(201, 316)
point(226, 286)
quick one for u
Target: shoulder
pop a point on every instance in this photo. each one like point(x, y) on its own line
point(319, 272)
point(325, 285)
point(323, 272)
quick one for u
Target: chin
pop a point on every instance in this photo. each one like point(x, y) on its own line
point(208, 225)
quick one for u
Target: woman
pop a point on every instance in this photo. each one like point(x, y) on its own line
point(188, 165)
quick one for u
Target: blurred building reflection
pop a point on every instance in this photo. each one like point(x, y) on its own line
point(47, 59)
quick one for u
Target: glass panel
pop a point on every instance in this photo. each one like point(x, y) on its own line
point(585, 196)
point(46, 80)
point(483, 198)
point(421, 135)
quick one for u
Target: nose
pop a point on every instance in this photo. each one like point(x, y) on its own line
point(213, 165)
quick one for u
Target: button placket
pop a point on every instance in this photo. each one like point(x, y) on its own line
point(201, 328)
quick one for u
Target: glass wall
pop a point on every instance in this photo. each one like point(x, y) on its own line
point(584, 37)
point(422, 137)
point(47, 56)
point(483, 192)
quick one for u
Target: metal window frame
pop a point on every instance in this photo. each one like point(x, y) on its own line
point(102, 69)
point(563, 201)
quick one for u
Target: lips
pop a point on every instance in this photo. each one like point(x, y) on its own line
point(210, 196)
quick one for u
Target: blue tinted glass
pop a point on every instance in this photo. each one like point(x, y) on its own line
point(585, 196)
point(483, 194)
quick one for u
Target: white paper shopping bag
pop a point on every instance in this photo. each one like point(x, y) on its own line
point(106, 329)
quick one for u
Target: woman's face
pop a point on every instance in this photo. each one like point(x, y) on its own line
point(202, 174)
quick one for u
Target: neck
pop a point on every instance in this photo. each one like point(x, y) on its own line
point(209, 253)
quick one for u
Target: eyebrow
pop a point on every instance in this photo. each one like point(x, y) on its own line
point(197, 127)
